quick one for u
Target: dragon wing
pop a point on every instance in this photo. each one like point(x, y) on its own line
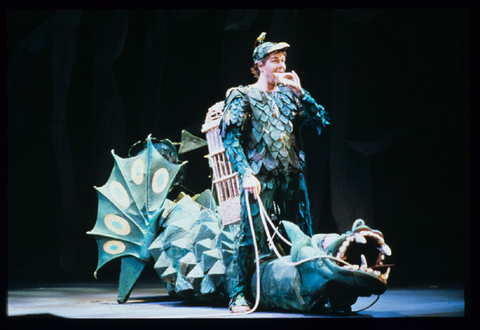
point(129, 209)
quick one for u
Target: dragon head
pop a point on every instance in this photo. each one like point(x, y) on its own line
point(340, 268)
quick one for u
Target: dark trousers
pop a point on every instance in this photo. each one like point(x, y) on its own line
point(289, 194)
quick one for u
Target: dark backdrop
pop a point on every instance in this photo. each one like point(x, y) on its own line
point(396, 84)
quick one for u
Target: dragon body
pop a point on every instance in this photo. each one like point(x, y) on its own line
point(193, 251)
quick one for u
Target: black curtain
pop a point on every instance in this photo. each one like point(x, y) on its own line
point(396, 85)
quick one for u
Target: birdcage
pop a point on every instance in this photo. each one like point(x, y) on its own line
point(225, 180)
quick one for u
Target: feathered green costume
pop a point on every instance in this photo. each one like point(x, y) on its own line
point(259, 135)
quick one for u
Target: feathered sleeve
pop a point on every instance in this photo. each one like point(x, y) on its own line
point(315, 114)
point(231, 126)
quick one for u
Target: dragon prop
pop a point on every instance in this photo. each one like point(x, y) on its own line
point(193, 250)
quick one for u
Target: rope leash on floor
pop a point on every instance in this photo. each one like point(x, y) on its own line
point(265, 222)
point(265, 218)
point(257, 266)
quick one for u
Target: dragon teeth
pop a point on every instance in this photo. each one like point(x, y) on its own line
point(364, 262)
point(383, 277)
point(379, 238)
point(359, 238)
point(342, 249)
point(386, 275)
point(363, 268)
point(386, 249)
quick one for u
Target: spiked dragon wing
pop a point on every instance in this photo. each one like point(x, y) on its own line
point(129, 209)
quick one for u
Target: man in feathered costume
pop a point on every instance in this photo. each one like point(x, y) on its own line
point(259, 129)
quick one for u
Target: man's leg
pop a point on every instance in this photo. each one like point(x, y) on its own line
point(298, 204)
point(242, 259)
point(244, 255)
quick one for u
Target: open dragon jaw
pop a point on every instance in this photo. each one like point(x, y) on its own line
point(364, 250)
point(192, 248)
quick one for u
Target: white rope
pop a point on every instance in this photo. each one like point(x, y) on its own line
point(257, 264)
point(263, 215)
point(257, 259)
point(271, 223)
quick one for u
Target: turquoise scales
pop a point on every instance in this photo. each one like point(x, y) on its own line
point(258, 130)
point(193, 251)
point(129, 208)
point(268, 128)
point(194, 256)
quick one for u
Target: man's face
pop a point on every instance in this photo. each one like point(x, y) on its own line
point(274, 63)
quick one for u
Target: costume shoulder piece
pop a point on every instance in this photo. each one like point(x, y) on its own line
point(234, 92)
point(254, 93)
point(236, 107)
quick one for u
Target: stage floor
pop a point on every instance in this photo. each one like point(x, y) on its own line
point(97, 300)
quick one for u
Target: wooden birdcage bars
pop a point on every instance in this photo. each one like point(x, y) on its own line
point(225, 180)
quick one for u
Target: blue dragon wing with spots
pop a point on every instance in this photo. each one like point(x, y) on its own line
point(129, 209)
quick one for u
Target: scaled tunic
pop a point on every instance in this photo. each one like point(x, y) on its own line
point(259, 136)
